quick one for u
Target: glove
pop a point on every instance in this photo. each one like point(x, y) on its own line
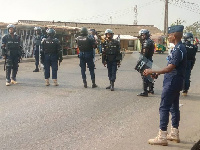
point(3, 50)
point(118, 64)
point(60, 58)
point(19, 59)
point(192, 63)
point(20, 53)
point(42, 56)
point(154, 75)
point(104, 64)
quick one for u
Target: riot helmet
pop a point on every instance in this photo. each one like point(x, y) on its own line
point(92, 31)
point(144, 33)
point(38, 30)
point(11, 26)
point(51, 32)
point(188, 37)
point(109, 33)
point(84, 31)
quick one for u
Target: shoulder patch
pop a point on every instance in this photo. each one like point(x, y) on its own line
point(44, 39)
point(178, 48)
point(5, 36)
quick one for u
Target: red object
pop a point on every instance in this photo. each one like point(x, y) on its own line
point(77, 51)
point(196, 40)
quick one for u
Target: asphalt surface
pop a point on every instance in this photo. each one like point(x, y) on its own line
point(71, 117)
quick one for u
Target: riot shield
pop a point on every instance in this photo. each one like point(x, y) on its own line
point(142, 64)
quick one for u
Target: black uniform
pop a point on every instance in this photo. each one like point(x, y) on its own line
point(147, 51)
point(36, 48)
point(86, 44)
point(191, 53)
point(12, 52)
point(111, 56)
point(51, 49)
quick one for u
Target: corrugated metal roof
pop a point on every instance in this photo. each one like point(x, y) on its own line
point(117, 28)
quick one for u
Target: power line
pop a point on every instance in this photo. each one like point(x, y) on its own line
point(114, 14)
point(147, 4)
point(186, 5)
point(162, 16)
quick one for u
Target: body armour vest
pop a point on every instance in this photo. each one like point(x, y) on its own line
point(11, 43)
point(191, 51)
point(37, 40)
point(112, 47)
point(85, 43)
point(50, 46)
point(148, 46)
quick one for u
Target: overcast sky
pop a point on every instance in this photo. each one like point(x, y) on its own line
point(150, 12)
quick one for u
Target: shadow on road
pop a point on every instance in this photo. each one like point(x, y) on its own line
point(182, 145)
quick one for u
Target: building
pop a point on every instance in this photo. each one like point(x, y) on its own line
point(118, 29)
point(66, 32)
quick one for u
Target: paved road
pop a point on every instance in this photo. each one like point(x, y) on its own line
point(70, 117)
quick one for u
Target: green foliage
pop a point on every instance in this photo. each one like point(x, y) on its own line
point(194, 29)
point(178, 22)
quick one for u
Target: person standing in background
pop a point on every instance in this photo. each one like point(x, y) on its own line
point(36, 46)
point(11, 52)
point(191, 53)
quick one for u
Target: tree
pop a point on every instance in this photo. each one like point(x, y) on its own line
point(178, 22)
point(194, 29)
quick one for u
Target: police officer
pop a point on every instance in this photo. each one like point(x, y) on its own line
point(111, 56)
point(11, 51)
point(191, 53)
point(36, 46)
point(172, 85)
point(86, 44)
point(51, 52)
point(147, 51)
point(94, 36)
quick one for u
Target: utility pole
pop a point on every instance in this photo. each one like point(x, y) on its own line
point(166, 18)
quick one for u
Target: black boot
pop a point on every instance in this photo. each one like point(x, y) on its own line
point(108, 87)
point(151, 86)
point(112, 86)
point(8, 72)
point(145, 92)
point(36, 70)
point(93, 84)
point(85, 83)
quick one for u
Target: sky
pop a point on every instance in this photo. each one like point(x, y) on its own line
point(149, 12)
